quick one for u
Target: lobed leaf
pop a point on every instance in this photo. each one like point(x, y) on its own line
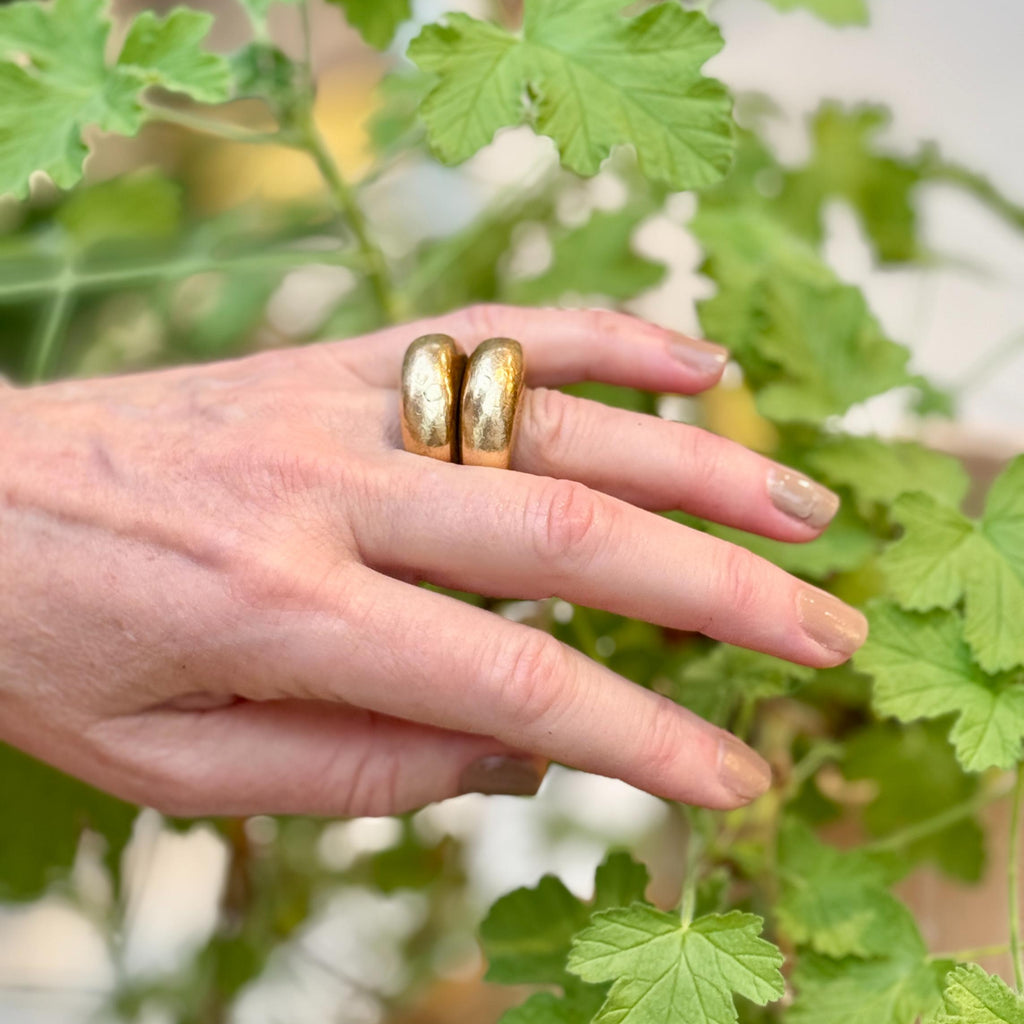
point(589, 79)
point(972, 996)
point(944, 557)
point(55, 81)
point(662, 968)
point(923, 669)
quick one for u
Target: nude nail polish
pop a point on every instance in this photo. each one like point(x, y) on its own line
point(511, 776)
point(701, 356)
point(831, 623)
point(741, 770)
point(801, 498)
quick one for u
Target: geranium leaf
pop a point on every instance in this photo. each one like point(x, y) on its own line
point(55, 81)
point(590, 79)
point(923, 669)
point(663, 968)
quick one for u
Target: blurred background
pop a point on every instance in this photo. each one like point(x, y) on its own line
point(946, 78)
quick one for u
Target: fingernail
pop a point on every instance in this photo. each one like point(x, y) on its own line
point(830, 622)
point(800, 497)
point(511, 776)
point(742, 770)
point(701, 356)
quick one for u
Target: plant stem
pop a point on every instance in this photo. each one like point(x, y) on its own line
point(694, 849)
point(975, 953)
point(922, 829)
point(43, 350)
point(212, 126)
point(1014, 880)
point(68, 279)
point(344, 199)
point(310, 140)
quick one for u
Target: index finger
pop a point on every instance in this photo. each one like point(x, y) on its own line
point(562, 346)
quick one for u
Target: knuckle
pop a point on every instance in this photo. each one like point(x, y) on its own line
point(703, 459)
point(735, 587)
point(549, 425)
point(564, 521)
point(484, 318)
point(534, 672)
point(661, 742)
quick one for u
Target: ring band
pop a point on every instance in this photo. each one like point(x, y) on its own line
point(491, 391)
point(432, 373)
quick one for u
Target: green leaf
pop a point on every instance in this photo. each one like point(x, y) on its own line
point(589, 79)
point(878, 472)
point(716, 685)
point(846, 165)
point(923, 669)
point(526, 934)
point(262, 70)
point(578, 1006)
point(829, 348)
point(897, 990)
point(45, 812)
point(836, 12)
point(595, 259)
point(138, 206)
point(943, 556)
point(836, 902)
point(664, 969)
point(972, 996)
point(619, 881)
point(394, 122)
point(375, 20)
point(55, 81)
point(846, 544)
point(167, 52)
point(916, 776)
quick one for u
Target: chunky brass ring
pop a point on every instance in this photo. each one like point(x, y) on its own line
point(432, 372)
point(491, 392)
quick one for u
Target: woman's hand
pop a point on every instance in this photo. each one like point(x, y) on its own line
point(208, 601)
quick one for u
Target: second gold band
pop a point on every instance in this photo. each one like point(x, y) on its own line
point(460, 410)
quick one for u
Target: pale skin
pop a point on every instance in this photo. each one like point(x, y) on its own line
point(209, 601)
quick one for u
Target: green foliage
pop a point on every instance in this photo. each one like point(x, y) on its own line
point(973, 997)
point(375, 20)
point(837, 903)
point(55, 80)
point(617, 88)
point(945, 557)
point(586, 74)
point(923, 669)
point(916, 776)
point(595, 259)
point(527, 933)
point(878, 472)
point(40, 842)
point(663, 968)
point(838, 12)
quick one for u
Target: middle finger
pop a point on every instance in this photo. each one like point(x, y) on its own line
point(511, 534)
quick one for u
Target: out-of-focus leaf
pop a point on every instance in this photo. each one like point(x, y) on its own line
point(56, 80)
point(917, 776)
point(836, 12)
point(375, 20)
point(138, 206)
point(44, 813)
point(595, 259)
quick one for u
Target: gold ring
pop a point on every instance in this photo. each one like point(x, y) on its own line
point(491, 391)
point(432, 372)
